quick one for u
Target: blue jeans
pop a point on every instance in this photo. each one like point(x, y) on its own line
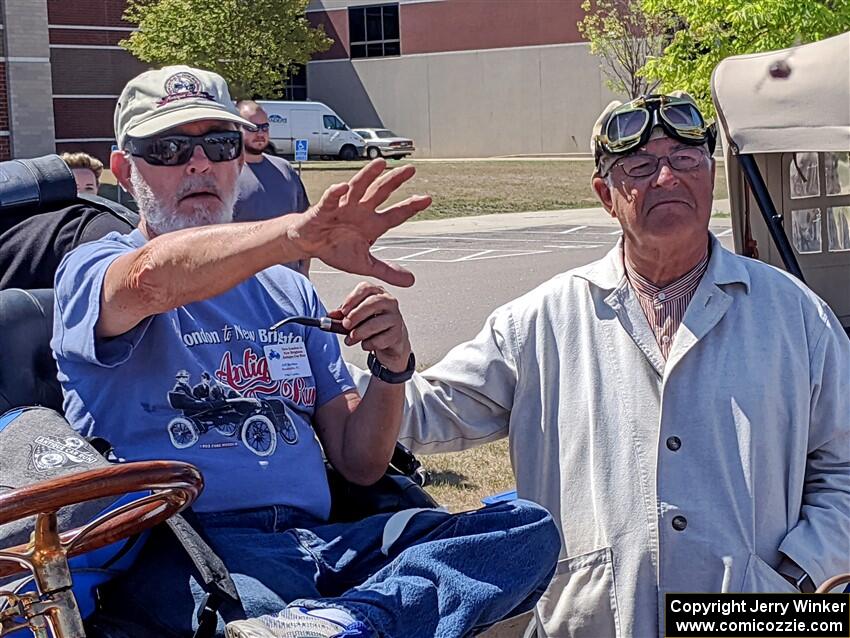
point(446, 575)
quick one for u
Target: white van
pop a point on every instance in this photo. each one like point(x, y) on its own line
point(315, 122)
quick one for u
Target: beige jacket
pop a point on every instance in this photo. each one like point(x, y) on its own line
point(756, 390)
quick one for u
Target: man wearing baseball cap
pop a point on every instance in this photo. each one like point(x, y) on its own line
point(190, 291)
point(682, 411)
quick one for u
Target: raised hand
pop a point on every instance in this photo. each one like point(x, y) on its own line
point(342, 227)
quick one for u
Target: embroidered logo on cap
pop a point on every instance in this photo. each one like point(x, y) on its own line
point(182, 86)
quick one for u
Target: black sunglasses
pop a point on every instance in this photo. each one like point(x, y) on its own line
point(174, 150)
point(257, 128)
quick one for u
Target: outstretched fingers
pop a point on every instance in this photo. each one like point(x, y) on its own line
point(393, 274)
point(381, 189)
point(399, 213)
point(364, 178)
point(331, 197)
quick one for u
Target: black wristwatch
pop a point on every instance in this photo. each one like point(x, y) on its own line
point(385, 374)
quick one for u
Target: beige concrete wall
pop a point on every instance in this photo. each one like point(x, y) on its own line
point(29, 78)
point(518, 101)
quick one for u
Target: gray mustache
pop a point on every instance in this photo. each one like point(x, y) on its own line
point(198, 183)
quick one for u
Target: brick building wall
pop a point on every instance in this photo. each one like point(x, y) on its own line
point(5, 147)
point(4, 100)
point(89, 69)
point(28, 94)
point(517, 55)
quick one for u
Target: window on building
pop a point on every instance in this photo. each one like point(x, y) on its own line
point(295, 86)
point(373, 31)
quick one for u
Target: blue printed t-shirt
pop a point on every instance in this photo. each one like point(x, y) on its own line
point(193, 384)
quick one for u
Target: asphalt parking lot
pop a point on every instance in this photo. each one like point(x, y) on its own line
point(463, 275)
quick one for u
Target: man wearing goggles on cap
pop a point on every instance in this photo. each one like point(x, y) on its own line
point(188, 291)
point(682, 411)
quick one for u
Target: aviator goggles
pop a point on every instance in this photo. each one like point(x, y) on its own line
point(175, 150)
point(630, 125)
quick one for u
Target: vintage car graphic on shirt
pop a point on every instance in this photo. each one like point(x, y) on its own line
point(210, 404)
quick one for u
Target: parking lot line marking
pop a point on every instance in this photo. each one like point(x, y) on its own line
point(572, 230)
point(416, 254)
point(583, 246)
point(461, 238)
point(485, 254)
point(616, 232)
point(453, 248)
point(578, 242)
point(725, 233)
point(501, 256)
point(474, 255)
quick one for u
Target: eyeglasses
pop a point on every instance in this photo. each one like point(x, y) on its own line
point(258, 128)
point(174, 150)
point(644, 165)
point(630, 126)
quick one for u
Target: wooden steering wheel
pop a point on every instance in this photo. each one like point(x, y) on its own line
point(832, 583)
point(175, 486)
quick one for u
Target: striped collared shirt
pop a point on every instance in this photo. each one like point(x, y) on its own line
point(665, 307)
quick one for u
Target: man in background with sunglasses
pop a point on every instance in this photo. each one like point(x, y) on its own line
point(682, 411)
point(268, 186)
point(188, 292)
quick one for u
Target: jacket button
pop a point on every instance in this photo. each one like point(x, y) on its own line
point(674, 443)
point(680, 523)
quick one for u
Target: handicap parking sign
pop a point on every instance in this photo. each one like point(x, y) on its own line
point(300, 150)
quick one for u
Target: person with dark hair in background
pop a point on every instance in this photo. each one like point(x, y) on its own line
point(268, 186)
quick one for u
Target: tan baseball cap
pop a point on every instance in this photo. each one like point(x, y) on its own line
point(602, 158)
point(158, 100)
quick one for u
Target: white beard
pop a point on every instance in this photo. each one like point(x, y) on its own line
point(161, 217)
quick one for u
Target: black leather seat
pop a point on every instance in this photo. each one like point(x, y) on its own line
point(32, 249)
point(28, 373)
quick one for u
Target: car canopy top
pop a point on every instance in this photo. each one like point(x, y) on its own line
point(807, 111)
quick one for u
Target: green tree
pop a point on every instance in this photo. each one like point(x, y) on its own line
point(253, 44)
point(624, 37)
point(712, 30)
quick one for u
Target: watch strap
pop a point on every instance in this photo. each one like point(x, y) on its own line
point(385, 374)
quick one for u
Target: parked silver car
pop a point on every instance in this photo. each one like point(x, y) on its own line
point(382, 142)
